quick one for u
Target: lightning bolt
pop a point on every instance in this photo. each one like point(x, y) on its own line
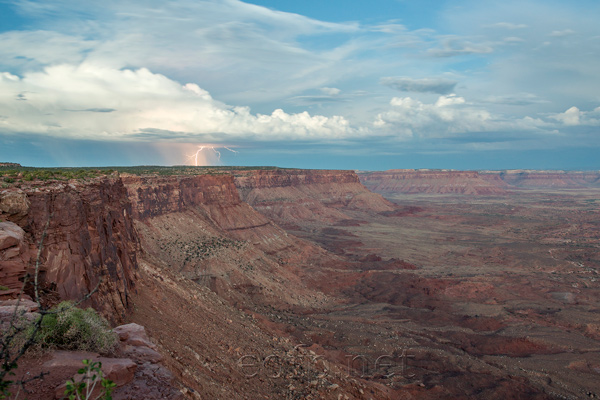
point(209, 148)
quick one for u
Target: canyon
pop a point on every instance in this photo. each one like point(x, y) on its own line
point(285, 283)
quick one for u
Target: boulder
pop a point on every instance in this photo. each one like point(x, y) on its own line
point(14, 255)
point(119, 370)
point(134, 335)
point(14, 203)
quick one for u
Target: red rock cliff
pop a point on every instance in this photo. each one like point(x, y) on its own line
point(545, 179)
point(289, 195)
point(156, 195)
point(426, 181)
point(90, 239)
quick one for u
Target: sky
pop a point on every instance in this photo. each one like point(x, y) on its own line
point(340, 84)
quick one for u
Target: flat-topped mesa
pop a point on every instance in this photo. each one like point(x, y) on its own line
point(90, 239)
point(429, 181)
point(290, 194)
point(157, 195)
point(545, 179)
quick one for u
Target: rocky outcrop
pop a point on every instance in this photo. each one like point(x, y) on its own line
point(14, 203)
point(14, 255)
point(136, 371)
point(90, 241)
point(429, 181)
point(288, 195)
point(118, 370)
point(544, 179)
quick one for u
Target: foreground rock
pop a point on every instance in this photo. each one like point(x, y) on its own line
point(137, 373)
point(14, 255)
point(134, 367)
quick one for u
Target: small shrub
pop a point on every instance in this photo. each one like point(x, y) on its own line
point(72, 328)
point(1, 286)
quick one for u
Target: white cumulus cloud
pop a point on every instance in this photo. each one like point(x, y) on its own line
point(96, 102)
point(450, 115)
point(574, 117)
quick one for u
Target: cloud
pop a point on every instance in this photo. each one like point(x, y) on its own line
point(426, 85)
point(449, 116)
point(100, 110)
point(513, 39)
point(517, 99)
point(562, 33)
point(243, 53)
point(330, 91)
point(391, 27)
point(454, 46)
point(117, 104)
point(575, 117)
point(116, 69)
point(506, 25)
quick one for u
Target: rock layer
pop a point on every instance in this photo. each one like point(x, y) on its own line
point(429, 181)
point(544, 179)
point(318, 195)
point(153, 195)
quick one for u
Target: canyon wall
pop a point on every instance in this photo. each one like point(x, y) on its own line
point(288, 195)
point(544, 179)
point(90, 240)
point(214, 199)
point(473, 182)
point(157, 195)
point(429, 181)
point(197, 225)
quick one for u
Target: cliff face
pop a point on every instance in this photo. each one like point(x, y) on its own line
point(199, 227)
point(153, 195)
point(418, 181)
point(90, 240)
point(545, 179)
point(318, 195)
point(473, 182)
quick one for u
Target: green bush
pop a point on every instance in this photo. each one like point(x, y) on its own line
point(83, 389)
point(71, 328)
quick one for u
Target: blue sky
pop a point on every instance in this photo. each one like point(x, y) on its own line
point(315, 84)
